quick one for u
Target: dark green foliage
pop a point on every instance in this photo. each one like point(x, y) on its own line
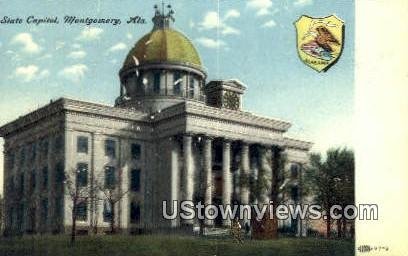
point(244, 180)
point(331, 180)
point(161, 245)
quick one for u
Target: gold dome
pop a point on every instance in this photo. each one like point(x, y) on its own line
point(164, 45)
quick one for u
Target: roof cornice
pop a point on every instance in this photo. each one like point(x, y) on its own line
point(200, 109)
point(69, 105)
point(297, 144)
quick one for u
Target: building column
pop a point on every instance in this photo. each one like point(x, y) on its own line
point(244, 178)
point(208, 174)
point(244, 175)
point(226, 177)
point(188, 177)
point(175, 177)
point(267, 172)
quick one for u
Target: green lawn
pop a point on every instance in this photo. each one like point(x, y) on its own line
point(151, 245)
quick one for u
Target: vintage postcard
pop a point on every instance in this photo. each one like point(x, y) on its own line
point(209, 127)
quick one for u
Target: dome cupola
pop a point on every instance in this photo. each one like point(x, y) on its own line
point(162, 69)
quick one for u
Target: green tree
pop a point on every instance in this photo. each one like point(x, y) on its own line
point(331, 182)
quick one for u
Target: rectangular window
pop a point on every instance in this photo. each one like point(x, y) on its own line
point(135, 151)
point(134, 212)
point(110, 146)
point(11, 188)
point(22, 183)
point(44, 213)
point(45, 178)
point(82, 144)
point(22, 155)
point(32, 181)
point(135, 180)
point(156, 82)
point(177, 81)
point(82, 211)
point(107, 211)
point(110, 180)
point(44, 147)
point(191, 87)
point(11, 161)
point(82, 174)
point(59, 173)
point(295, 193)
point(59, 207)
point(294, 170)
point(33, 151)
point(20, 215)
point(58, 144)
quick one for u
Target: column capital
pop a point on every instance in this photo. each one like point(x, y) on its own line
point(277, 148)
point(227, 140)
point(207, 137)
point(245, 142)
point(187, 134)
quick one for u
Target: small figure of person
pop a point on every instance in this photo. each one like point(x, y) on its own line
point(236, 230)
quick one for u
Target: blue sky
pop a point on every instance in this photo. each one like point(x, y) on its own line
point(256, 44)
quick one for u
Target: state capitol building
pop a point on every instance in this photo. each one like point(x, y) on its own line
point(171, 135)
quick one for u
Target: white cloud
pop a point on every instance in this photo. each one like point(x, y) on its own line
point(262, 7)
point(26, 73)
point(302, 2)
point(59, 45)
point(269, 24)
point(212, 20)
point(45, 56)
point(230, 31)
point(14, 56)
point(118, 47)
point(25, 40)
point(76, 46)
point(30, 73)
point(77, 54)
point(90, 33)
point(74, 73)
point(210, 43)
point(232, 14)
point(43, 74)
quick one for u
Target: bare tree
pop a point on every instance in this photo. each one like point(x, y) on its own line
point(79, 191)
point(112, 193)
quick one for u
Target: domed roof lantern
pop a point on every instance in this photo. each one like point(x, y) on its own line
point(162, 20)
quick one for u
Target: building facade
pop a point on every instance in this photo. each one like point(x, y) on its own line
point(171, 135)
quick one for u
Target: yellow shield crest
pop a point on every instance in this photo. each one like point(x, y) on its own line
point(319, 41)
